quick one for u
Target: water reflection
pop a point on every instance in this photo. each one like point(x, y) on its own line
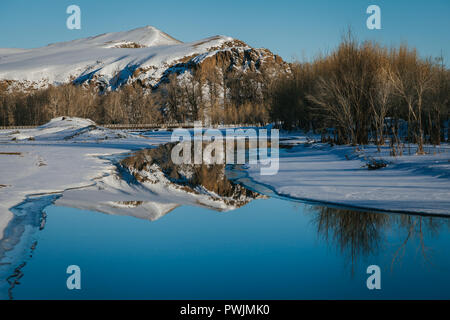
point(155, 166)
point(360, 234)
point(18, 242)
point(418, 228)
point(147, 185)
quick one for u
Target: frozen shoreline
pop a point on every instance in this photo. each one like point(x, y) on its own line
point(66, 154)
point(339, 175)
point(59, 156)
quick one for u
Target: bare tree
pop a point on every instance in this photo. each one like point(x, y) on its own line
point(411, 79)
point(379, 102)
point(337, 105)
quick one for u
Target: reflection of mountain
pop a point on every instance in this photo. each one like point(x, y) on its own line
point(361, 234)
point(148, 185)
point(140, 188)
point(196, 179)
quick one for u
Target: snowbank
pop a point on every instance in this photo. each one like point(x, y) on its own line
point(339, 175)
point(62, 154)
point(64, 128)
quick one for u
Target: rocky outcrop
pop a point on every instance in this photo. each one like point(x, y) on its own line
point(233, 57)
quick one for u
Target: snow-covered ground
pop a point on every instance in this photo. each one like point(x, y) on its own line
point(339, 175)
point(69, 156)
point(74, 157)
point(61, 155)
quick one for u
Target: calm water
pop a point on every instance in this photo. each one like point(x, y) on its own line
point(268, 249)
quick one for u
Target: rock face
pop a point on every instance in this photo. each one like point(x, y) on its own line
point(146, 55)
point(232, 57)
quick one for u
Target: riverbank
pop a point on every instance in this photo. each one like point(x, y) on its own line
point(69, 153)
point(342, 175)
point(64, 154)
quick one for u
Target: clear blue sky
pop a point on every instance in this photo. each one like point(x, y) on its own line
point(291, 28)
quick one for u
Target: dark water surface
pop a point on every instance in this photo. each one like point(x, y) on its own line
point(269, 249)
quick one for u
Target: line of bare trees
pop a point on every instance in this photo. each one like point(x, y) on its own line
point(359, 93)
point(130, 105)
point(207, 95)
point(367, 92)
point(217, 96)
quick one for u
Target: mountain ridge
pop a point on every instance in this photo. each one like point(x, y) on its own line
point(145, 55)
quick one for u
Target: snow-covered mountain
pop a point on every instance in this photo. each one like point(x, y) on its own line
point(146, 55)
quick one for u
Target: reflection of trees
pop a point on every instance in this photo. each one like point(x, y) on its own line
point(361, 234)
point(355, 233)
point(416, 227)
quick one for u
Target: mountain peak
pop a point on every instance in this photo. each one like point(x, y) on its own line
point(142, 37)
point(147, 36)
